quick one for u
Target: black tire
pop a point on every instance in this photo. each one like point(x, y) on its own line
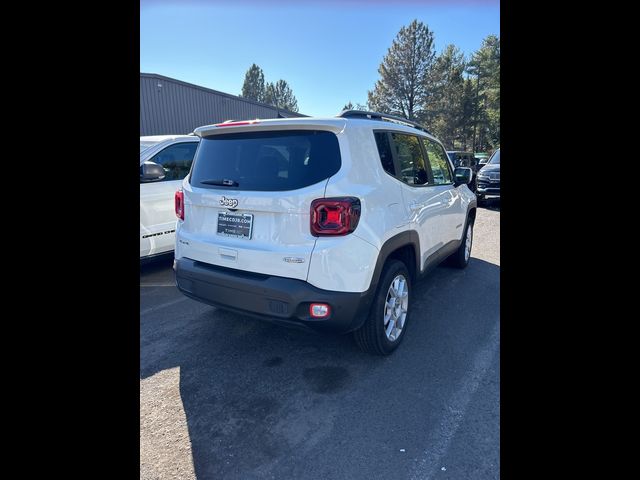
point(371, 337)
point(459, 259)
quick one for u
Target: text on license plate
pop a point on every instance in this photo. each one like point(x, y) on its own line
point(239, 225)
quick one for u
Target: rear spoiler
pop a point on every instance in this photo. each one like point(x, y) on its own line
point(336, 125)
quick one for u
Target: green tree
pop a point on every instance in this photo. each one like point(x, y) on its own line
point(468, 113)
point(253, 87)
point(348, 106)
point(484, 68)
point(405, 71)
point(446, 106)
point(280, 95)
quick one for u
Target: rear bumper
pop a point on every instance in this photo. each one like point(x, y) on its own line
point(281, 300)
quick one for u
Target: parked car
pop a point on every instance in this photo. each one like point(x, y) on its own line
point(465, 159)
point(164, 161)
point(321, 222)
point(481, 159)
point(489, 178)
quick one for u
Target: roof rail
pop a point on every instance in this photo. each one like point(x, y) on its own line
point(381, 116)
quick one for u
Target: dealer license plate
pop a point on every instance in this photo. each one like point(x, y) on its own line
point(235, 225)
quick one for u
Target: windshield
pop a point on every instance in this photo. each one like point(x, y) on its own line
point(496, 158)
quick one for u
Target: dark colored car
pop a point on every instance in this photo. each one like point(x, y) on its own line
point(489, 178)
point(482, 158)
point(465, 159)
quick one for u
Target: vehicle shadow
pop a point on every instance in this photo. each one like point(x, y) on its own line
point(156, 264)
point(491, 204)
point(262, 400)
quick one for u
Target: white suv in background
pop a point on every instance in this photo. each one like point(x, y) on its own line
point(322, 222)
point(164, 161)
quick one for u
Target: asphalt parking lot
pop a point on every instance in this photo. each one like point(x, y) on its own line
point(228, 397)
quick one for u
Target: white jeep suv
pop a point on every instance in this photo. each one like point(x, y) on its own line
point(321, 222)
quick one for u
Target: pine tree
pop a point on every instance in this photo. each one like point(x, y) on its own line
point(280, 95)
point(253, 87)
point(448, 92)
point(484, 67)
point(403, 87)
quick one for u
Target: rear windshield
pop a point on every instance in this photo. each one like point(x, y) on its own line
point(266, 161)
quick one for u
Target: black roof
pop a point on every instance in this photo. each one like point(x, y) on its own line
point(381, 116)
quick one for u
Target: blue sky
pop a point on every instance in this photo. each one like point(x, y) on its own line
point(328, 52)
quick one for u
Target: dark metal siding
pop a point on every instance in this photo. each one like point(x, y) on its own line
point(178, 107)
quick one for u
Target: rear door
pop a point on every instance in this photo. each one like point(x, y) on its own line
point(157, 212)
point(248, 199)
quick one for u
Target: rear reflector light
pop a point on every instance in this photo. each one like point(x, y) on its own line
point(334, 216)
point(179, 198)
point(319, 310)
point(235, 124)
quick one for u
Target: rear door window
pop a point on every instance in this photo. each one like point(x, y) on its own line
point(411, 161)
point(266, 161)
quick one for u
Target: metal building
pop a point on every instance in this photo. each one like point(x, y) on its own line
point(170, 106)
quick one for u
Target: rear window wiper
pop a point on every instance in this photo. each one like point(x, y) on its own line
point(222, 183)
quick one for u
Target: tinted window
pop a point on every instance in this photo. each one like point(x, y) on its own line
point(176, 160)
point(439, 164)
point(267, 161)
point(496, 158)
point(413, 169)
point(384, 149)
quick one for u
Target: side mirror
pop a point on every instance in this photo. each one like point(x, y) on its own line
point(462, 176)
point(151, 172)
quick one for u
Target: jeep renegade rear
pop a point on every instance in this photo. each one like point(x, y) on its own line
point(320, 222)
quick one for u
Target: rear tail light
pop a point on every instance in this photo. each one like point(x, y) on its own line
point(334, 216)
point(179, 198)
